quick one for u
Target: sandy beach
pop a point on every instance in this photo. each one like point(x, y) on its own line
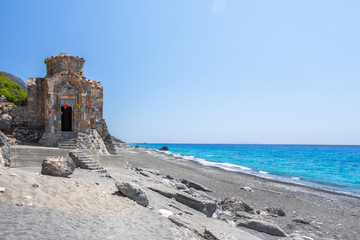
point(88, 205)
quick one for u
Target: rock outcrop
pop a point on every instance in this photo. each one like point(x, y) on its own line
point(108, 141)
point(4, 150)
point(59, 166)
point(5, 122)
point(91, 141)
point(133, 191)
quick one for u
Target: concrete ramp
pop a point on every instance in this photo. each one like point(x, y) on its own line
point(30, 156)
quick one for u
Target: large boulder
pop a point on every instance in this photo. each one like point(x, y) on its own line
point(164, 148)
point(133, 191)
point(58, 166)
point(234, 204)
point(207, 207)
point(4, 150)
point(263, 226)
point(5, 122)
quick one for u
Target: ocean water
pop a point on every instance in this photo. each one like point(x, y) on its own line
point(335, 168)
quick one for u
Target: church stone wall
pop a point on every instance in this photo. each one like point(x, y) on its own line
point(64, 86)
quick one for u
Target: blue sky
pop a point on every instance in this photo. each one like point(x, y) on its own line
point(203, 71)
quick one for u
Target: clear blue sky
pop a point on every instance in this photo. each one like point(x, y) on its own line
point(203, 71)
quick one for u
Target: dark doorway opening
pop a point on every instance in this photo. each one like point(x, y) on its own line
point(66, 119)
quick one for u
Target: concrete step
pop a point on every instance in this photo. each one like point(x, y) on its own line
point(30, 156)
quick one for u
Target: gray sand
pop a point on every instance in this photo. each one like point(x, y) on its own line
point(87, 205)
point(332, 216)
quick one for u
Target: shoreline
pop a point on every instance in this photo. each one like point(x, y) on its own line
point(308, 213)
point(319, 186)
point(329, 214)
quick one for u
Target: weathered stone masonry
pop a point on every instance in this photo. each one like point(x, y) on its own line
point(65, 100)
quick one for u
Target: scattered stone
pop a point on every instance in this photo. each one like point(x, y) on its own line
point(300, 220)
point(97, 183)
point(195, 185)
point(168, 182)
point(263, 226)
point(27, 197)
point(12, 175)
point(19, 204)
point(144, 174)
point(58, 166)
point(35, 185)
point(108, 175)
point(180, 186)
point(244, 215)
point(278, 211)
point(133, 192)
point(169, 177)
point(249, 189)
point(137, 146)
point(265, 213)
point(2, 189)
point(164, 148)
point(164, 212)
point(234, 204)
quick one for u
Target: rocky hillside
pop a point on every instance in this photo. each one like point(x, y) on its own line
point(16, 79)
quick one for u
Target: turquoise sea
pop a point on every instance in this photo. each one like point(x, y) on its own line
point(335, 168)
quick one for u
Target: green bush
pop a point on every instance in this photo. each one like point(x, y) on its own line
point(12, 91)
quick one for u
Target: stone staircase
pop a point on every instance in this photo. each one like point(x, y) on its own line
point(67, 140)
point(84, 161)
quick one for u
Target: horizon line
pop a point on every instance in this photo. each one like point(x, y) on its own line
point(293, 144)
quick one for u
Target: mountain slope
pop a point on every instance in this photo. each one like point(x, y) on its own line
point(12, 91)
point(16, 79)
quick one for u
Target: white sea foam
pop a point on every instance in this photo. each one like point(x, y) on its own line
point(296, 178)
point(225, 166)
point(262, 172)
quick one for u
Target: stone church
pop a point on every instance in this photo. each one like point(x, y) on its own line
point(65, 103)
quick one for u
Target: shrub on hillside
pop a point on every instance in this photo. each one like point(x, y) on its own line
point(12, 91)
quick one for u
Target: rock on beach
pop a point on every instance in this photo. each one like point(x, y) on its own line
point(58, 166)
point(133, 191)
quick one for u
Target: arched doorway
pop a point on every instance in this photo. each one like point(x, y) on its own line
point(66, 119)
